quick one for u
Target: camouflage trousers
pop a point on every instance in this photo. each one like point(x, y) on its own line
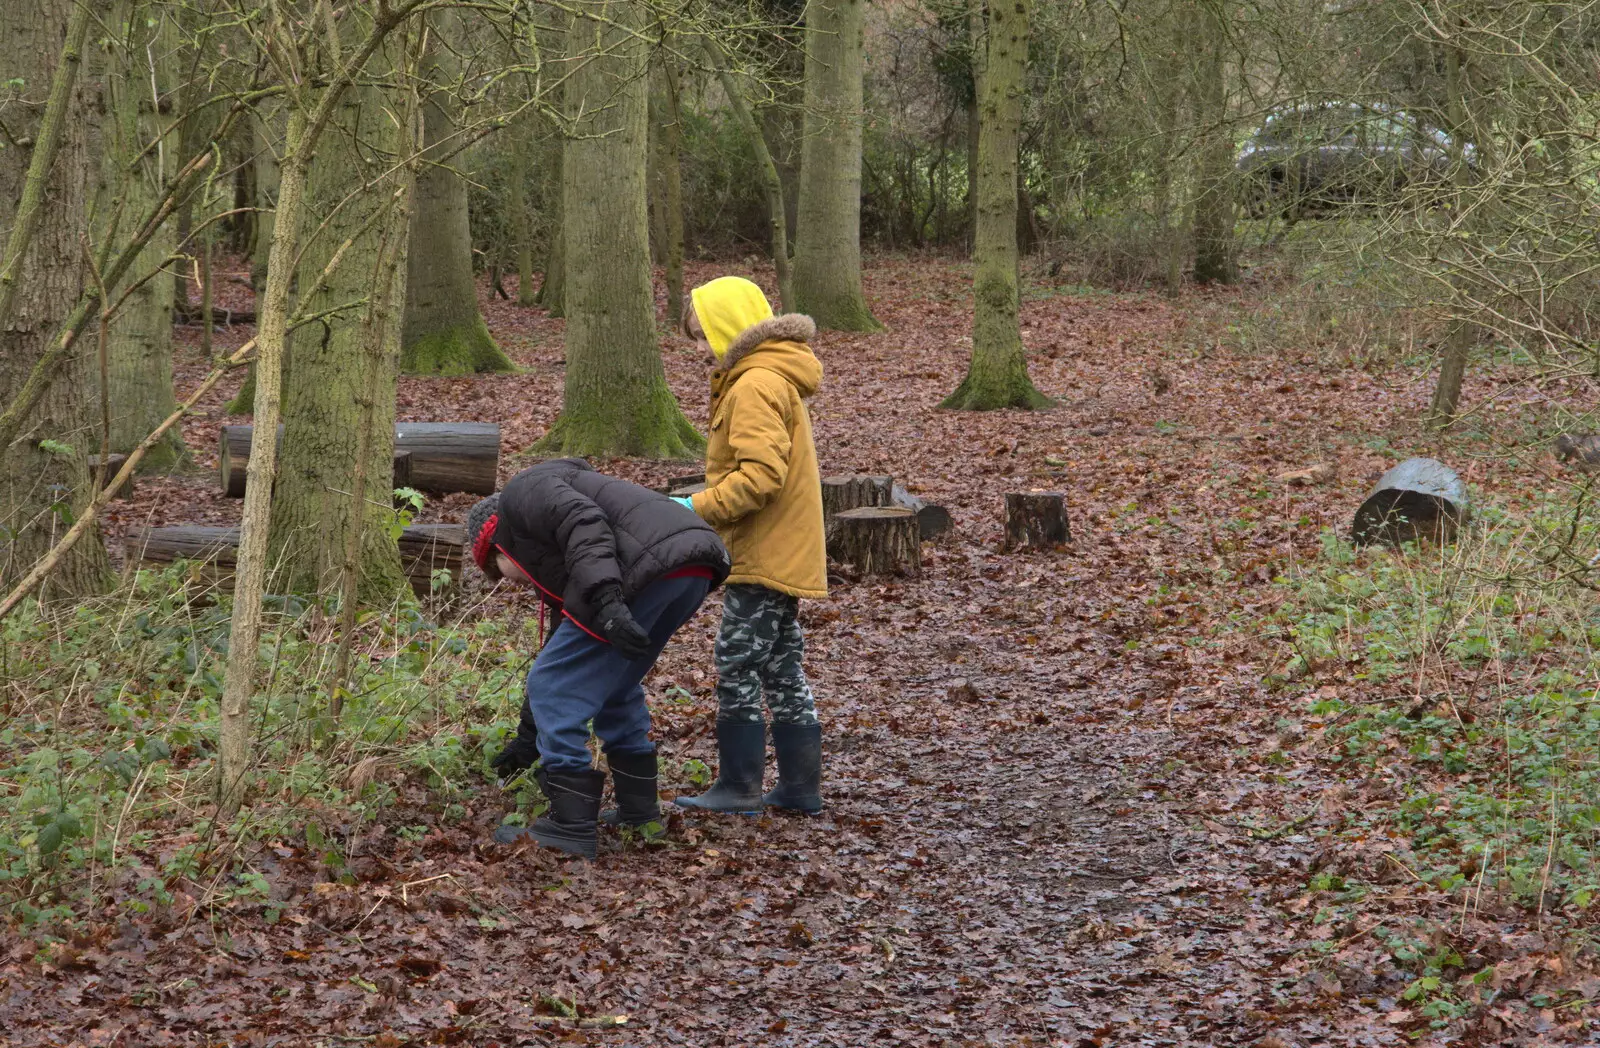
point(760, 649)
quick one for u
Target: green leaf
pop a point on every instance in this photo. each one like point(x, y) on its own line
point(49, 839)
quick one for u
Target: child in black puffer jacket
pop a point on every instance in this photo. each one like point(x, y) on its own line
point(623, 568)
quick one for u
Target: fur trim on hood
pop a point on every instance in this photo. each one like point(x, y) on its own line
point(789, 327)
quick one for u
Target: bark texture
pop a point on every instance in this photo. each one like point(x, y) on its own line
point(668, 148)
point(827, 263)
point(43, 485)
point(444, 331)
point(331, 382)
point(139, 350)
point(616, 400)
point(1214, 252)
point(998, 374)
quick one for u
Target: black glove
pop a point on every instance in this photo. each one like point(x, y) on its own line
point(618, 627)
point(522, 751)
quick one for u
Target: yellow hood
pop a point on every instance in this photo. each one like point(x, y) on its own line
point(728, 306)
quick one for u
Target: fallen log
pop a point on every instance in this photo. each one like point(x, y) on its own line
point(932, 520)
point(1421, 498)
point(854, 492)
point(688, 480)
point(878, 540)
point(424, 549)
point(1036, 519)
point(441, 456)
point(219, 315)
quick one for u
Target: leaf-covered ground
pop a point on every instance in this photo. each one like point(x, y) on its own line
point(1063, 808)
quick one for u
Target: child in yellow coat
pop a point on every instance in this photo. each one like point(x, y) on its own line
point(764, 496)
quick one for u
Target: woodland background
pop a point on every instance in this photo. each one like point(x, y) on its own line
point(1208, 774)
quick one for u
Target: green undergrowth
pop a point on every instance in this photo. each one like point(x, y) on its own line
point(108, 715)
point(1455, 689)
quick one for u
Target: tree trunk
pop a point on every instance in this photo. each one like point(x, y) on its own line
point(553, 288)
point(998, 374)
point(1036, 519)
point(44, 476)
point(669, 150)
point(973, 129)
point(1458, 345)
point(616, 400)
point(1215, 259)
point(877, 540)
point(328, 385)
point(444, 331)
point(266, 132)
point(827, 261)
point(139, 349)
point(777, 222)
point(521, 225)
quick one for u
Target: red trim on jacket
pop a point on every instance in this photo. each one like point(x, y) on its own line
point(568, 615)
point(693, 571)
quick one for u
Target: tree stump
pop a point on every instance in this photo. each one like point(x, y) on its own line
point(402, 469)
point(424, 549)
point(114, 462)
point(1037, 519)
point(443, 456)
point(932, 520)
point(854, 492)
point(878, 540)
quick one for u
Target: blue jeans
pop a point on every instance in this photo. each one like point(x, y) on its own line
point(577, 679)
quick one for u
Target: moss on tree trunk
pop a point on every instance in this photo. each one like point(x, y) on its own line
point(616, 400)
point(132, 178)
point(444, 331)
point(998, 374)
point(827, 262)
point(330, 380)
point(44, 475)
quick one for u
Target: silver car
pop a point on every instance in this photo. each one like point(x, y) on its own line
point(1322, 155)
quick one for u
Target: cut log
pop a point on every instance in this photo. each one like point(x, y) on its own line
point(878, 540)
point(688, 480)
point(443, 456)
point(932, 520)
point(854, 492)
point(1580, 449)
point(424, 549)
point(452, 456)
point(224, 317)
point(1037, 519)
point(114, 462)
point(1421, 498)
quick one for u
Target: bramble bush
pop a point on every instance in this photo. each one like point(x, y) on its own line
point(108, 742)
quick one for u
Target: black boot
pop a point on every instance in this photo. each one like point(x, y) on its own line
point(742, 757)
point(799, 750)
point(521, 752)
point(633, 780)
point(569, 824)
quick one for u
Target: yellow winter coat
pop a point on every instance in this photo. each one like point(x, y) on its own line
point(763, 487)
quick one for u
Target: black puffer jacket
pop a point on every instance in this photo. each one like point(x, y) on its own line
point(576, 531)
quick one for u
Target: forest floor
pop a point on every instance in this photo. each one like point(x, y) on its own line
point(1064, 808)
